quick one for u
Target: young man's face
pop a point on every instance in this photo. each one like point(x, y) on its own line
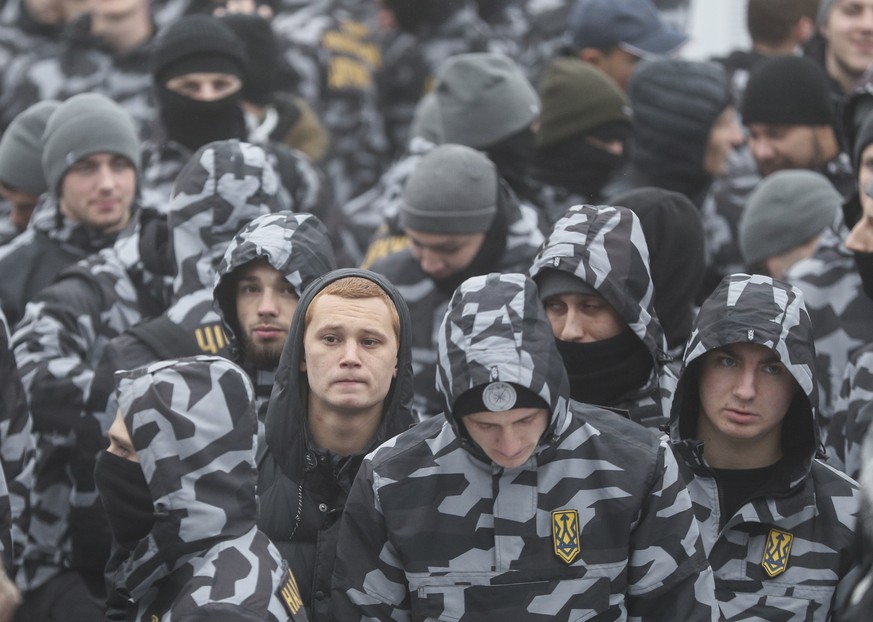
point(510, 437)
point(442, 256)
point(265, 304)
point(724, 136)
point(848, 31)
point(745, 393)
point(350, 354)
point(98, 190)
point(582, 318)
point(784, 147)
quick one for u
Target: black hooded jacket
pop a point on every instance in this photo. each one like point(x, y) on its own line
point(302, 488)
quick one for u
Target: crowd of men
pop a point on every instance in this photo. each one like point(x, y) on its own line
point(434, 310)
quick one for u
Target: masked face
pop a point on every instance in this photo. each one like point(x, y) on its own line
point(123, 488)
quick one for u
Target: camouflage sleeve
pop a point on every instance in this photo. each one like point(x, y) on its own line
point(16, 445)
point(52, 345)
point(851, 415)
point(368, 582)
point(669, 577)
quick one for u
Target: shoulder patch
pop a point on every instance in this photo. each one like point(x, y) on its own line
point(289, 594)
point(565, 534)
point(776, 552)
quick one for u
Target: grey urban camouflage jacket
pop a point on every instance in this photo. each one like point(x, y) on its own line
point(606, 248)
point(427, 301)
point(783, 554)
point(841, 314)
point(856, 601)
point(33, 259)
point(334, 52)
point(81, 63)
point(302, 488)
point(57, 345)
point(192, 424)
point(16, 455)
point(595, 525)
point(852, 415)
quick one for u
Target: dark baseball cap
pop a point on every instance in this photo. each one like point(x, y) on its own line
point(633, 25)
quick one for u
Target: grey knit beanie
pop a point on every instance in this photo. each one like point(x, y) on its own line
point(452, 191)
point(785, 210)
point(84, 125)
point(21, 148)
point(484, 98)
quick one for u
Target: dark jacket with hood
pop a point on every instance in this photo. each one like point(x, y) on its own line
point(297, 245)
point(192, 424)
point(605, 247)
point(674, 234)
point(596, 524)
point(785, 551)
point(302, 488)
point(33, 259)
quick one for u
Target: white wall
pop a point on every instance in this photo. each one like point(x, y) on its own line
point(716, 27)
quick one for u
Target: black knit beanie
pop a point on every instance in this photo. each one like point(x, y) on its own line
point(675, 103)
point(197, 44)
point(262, 55)
point(787, 90)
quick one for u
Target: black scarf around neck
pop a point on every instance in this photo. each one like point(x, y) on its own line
point(603, 372)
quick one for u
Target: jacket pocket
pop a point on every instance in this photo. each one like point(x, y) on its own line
point(793, 604)
point(451, 598)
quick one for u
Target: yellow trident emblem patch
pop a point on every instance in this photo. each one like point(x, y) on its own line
point(776, 552)
point(565, 534)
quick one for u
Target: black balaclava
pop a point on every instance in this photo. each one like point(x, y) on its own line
point(513, 157)
point(603, 372)
point(126, 498)
point(488, 258)
point(580, 166)
point(198, 44)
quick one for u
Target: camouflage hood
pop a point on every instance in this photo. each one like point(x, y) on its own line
point(224, 186)
point(605, 247)
point(753, 309)
point(296, 245)
point(495, 330)
point(192, 423)
point(288, 437)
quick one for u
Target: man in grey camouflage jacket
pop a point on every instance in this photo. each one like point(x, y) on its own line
point(179, 485)
point(777, 523)
point(90, 161)
point(263, 274)
point(594, 280)
point(488, 512)
point(461, 220)
point(331, 46)
point(105, 51)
